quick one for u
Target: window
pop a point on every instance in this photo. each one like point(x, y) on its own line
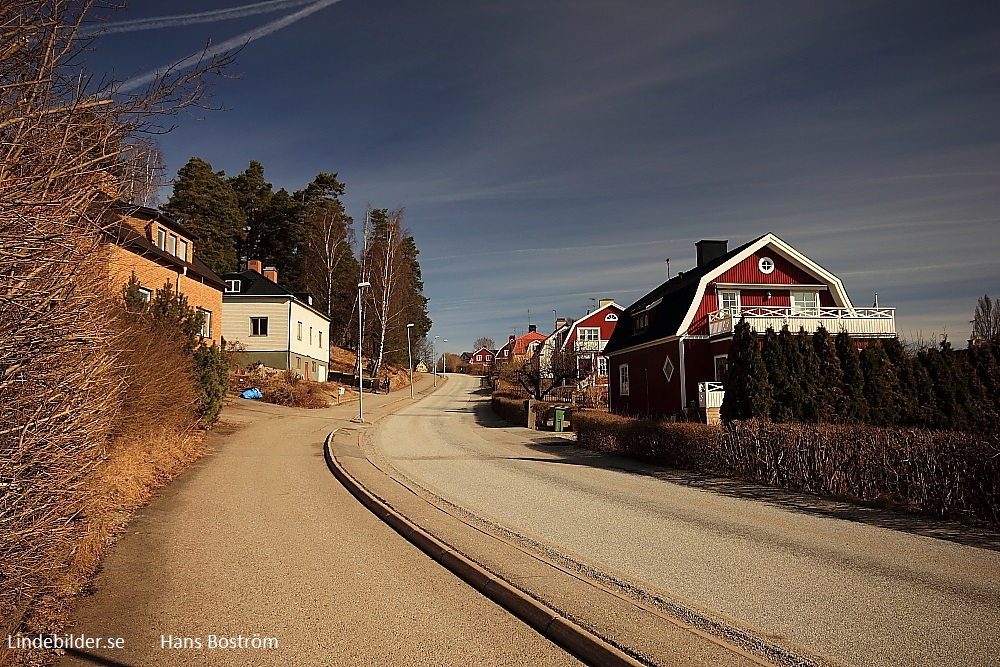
point(640, 322)
point(145, 294)
point(729, 303)
point(588, 334)
point(765, 264)
point(258, 326)
point(602, 366)
point(805, 303)
point(479, 357)
point(161, 239)
point(721, 363)
point(182, 249)
point(232, 285)
point(320, 334)
point(298, 333)
point(623, 380)
point(206, 323)
point(172, 244)
point(610, 317)
point(310, 335)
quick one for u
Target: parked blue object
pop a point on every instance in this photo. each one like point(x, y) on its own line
point(252, 392)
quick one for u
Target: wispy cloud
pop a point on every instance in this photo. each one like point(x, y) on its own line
point(228, 45)
point(180, 20)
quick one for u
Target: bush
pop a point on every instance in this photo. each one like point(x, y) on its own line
point(942, 472)
point(211, 368)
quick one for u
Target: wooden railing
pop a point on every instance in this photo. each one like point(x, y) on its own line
point(870, 322)
point(710, 394)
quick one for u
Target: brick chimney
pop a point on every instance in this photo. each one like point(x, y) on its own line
point(532, 328)
point(605, 302)
point(254, 265)
point(271, 274)
point(709, 250)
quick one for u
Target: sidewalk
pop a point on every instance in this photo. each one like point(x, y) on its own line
point(258, 544)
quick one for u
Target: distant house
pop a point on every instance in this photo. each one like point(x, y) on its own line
point(278, 328)
point(421, 367)
point(668, 352)
point(481, 357)
point(159, 250)
point(524, 347)
point(503, 353)
point(588, 336)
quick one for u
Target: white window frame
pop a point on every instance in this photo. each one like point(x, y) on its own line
point(145, 294)
point(161, 238)
point(206, 323)
point(623, 380)
point(261, 330)
point(602, 366)
point(182, 249)
point(298, 332)
point(765, 265)
point(233, 285)
point(805, 306)
point(172, 244)
point(588, 334)
point(734, 309)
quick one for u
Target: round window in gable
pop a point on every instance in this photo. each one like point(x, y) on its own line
point(765, 264)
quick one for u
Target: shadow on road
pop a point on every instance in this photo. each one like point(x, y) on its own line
point(568, 453)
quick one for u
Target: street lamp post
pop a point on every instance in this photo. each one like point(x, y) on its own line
point(435, 362)
point(444, 357)
point(361, 365)
point(409, 356)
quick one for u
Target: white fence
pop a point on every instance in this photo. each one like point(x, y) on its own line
point(710, 394)
point(870, 322)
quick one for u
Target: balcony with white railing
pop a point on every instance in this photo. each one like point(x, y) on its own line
point(581, 346)
point(710, 394)
point(860, 322)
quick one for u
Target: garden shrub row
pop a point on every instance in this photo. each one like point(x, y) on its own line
point(940, 472)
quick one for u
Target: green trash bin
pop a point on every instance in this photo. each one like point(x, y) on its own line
point(560, 418)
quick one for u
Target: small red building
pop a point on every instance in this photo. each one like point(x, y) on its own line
point(588, 336)
point(668, 353)
point(482, 356)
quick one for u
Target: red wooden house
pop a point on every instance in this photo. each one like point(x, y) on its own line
point(668, 352)
point(481, 357)
point(588, 336)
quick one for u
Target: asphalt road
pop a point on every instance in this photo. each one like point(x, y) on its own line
point(258, 540)
point(877, 589)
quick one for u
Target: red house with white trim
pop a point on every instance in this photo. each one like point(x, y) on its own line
point(588, 336)
point(668, 352)
point(482, 356)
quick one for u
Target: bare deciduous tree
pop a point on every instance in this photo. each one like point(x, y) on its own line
point(64, 139)
point(986, 321)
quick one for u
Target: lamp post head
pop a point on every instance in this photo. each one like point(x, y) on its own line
point(409, 325)
point(364, 284)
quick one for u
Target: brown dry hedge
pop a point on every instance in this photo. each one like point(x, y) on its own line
point(940, 472)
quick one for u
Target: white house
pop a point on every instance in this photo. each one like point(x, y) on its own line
point(278, 328)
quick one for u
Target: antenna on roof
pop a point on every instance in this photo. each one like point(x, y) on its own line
point(668, 268)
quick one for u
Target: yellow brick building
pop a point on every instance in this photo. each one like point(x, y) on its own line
point(158, 250)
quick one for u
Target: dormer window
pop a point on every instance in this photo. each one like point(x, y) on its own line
point(232, 285)
point(172, 244)
point(182, 249)
point(161, 238)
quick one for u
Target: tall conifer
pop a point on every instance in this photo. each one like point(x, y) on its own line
point(748, 392)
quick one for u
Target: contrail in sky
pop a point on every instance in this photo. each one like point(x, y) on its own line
point(227, 45)
point(178, 20)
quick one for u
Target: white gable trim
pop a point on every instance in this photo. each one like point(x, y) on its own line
point(840, 297)
point(573, 327)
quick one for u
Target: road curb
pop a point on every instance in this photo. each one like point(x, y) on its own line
point(562, 631)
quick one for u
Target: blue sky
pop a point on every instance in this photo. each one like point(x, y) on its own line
point(548, 153)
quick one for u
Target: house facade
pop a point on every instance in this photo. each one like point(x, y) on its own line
point(667, 354)
point(277, 328)
point(158, 250)
point(481, 357)
point(587, 338)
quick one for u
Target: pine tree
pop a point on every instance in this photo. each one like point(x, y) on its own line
point(905, 397)
point(748, 391)
point(281, 244)
point(205, 203)
point(853, 409)
point(253, 194)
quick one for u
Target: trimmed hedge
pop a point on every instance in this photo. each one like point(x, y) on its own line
point(942, 472)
